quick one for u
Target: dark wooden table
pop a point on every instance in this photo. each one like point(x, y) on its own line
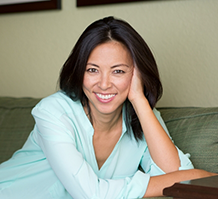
point(204, 188)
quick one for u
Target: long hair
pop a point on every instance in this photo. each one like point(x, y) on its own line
point(102, 31)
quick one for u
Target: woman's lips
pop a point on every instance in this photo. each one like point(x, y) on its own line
point(105, 97)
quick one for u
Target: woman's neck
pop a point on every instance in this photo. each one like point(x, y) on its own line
point(105, 123)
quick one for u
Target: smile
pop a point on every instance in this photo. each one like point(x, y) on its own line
point(105, 96)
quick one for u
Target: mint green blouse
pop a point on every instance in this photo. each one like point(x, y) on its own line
point(58, 159)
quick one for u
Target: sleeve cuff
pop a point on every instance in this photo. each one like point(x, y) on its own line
point(137, 185)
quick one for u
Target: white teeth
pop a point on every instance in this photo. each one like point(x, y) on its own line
point(105, 96)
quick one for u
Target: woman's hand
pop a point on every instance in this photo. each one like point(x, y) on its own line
point(136, 87)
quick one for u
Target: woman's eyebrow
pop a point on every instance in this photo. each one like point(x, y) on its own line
point(93, 64)
point(118, 65)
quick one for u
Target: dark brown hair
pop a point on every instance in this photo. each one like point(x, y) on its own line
point(102, 31)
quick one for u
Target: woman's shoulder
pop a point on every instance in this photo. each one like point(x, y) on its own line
point(58, 103)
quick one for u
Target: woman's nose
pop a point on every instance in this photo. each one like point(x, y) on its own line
point(104, 82)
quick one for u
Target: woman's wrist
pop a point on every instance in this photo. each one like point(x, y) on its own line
point(140, 102)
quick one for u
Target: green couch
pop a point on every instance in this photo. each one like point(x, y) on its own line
point(194, 130)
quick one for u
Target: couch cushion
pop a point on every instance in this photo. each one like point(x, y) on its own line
point(195, 131)
point(16, 123)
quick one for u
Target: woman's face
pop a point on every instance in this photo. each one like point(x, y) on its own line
point(107, 77)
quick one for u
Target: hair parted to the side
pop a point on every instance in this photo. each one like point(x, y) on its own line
point(102, 31)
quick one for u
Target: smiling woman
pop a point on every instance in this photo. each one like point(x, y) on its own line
point(90, 137)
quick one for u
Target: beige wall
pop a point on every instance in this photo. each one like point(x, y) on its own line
point(183, 34)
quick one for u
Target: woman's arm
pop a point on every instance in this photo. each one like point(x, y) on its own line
point(161, 147)
point(158, 183)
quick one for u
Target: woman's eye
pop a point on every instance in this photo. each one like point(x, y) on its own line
point(92, 70)
point(119, 71)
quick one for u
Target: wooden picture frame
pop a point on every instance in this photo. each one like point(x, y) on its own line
point(102, 2)
point(13, 6)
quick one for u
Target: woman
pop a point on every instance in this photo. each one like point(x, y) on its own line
point(90, 137)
